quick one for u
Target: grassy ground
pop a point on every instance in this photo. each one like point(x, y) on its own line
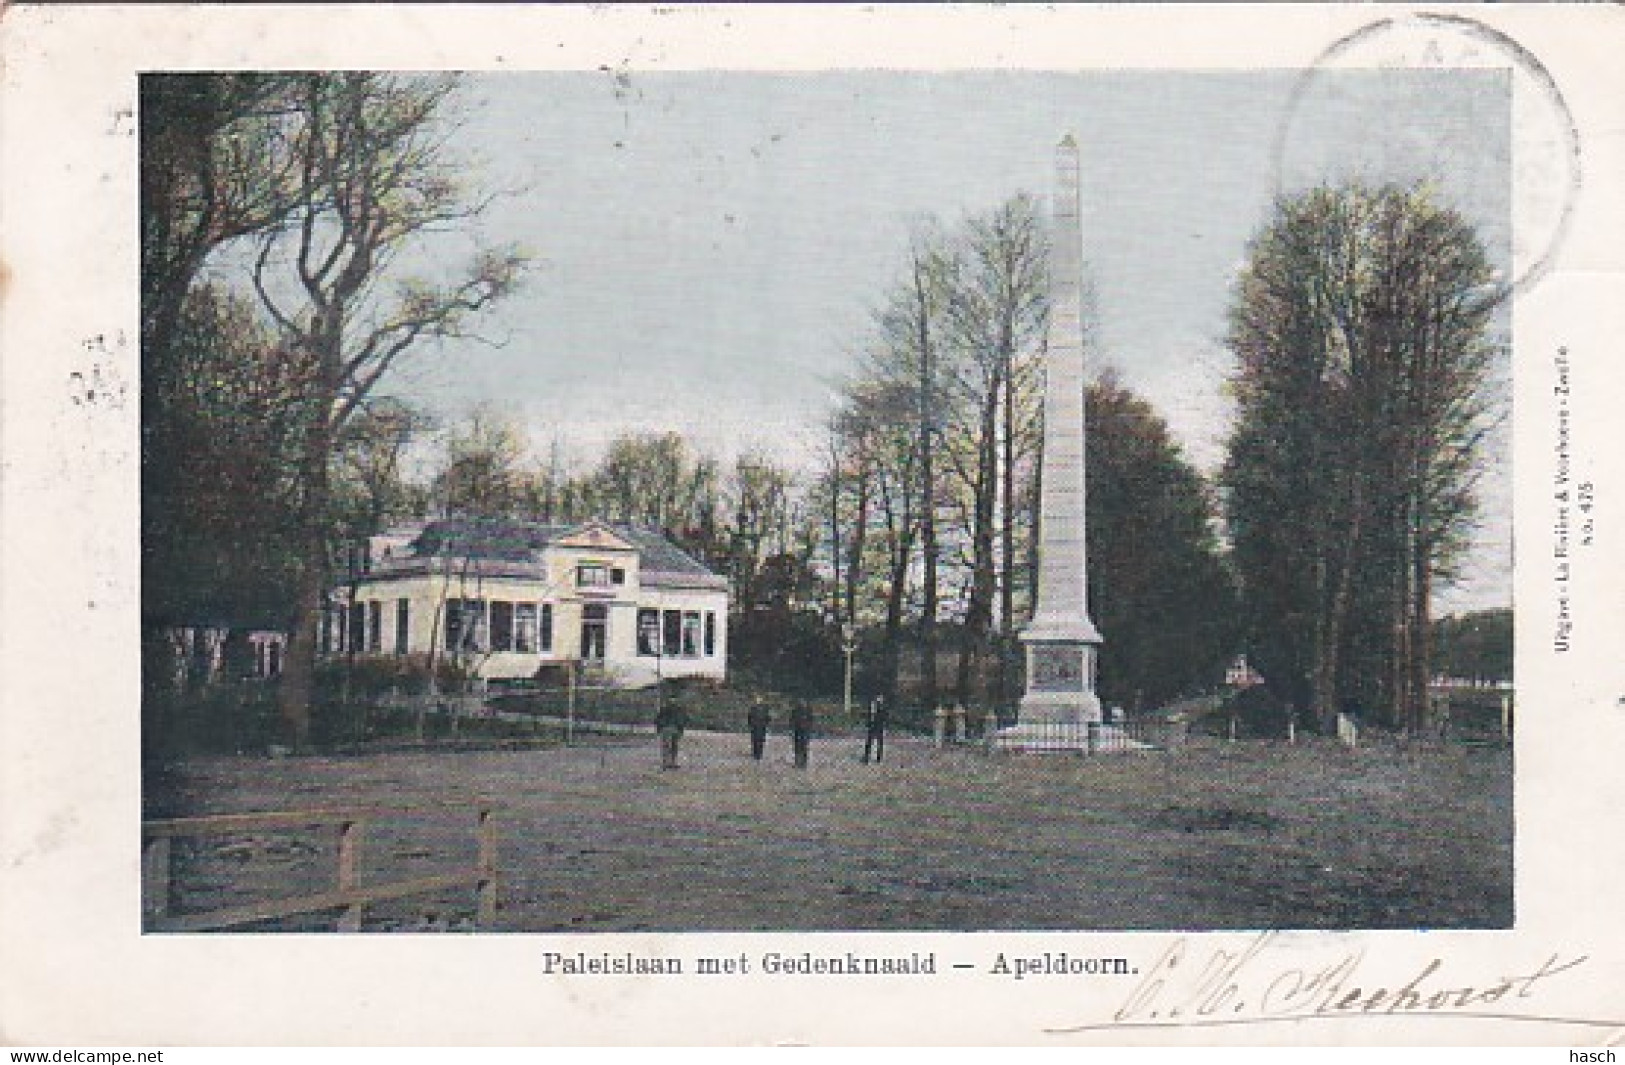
point(1219, 835)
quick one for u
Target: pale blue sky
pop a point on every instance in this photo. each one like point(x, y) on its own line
point(710, 245)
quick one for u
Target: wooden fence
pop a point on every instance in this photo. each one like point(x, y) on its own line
point(349, 895)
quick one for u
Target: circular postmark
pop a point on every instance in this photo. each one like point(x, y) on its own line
point(1536, 145)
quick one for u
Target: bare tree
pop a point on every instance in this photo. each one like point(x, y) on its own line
point(997, 311)
point(372, 180)
point(911, 353)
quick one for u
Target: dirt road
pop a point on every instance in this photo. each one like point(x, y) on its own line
point(1219, 835)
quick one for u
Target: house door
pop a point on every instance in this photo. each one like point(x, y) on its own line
point(594, 631)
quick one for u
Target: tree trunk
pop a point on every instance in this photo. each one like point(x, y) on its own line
point(979, 611)
point(928, 522)
point(1421, 666)
point(299, 669)
point(1333, 626)
point(836, 584)
point(1401, 649)
point(860, 534)
point(1007, 533)
point(894, 627)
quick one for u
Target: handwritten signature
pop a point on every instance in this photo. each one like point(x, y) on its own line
point(1257, 982)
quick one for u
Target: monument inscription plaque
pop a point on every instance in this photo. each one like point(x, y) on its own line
point(1057, 668)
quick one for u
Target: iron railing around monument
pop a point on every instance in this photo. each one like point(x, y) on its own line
point(1134, 734)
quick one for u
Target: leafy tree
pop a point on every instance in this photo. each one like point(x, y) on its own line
point(484, 474)
point(220, 427)
point(371, 487)
point(212, 170)
point(1477, 646)
point(1361, 329)
point(216, 166)
point(1159, 588)
point(655, 480)
point(763, 529)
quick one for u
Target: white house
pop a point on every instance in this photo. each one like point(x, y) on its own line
point(505, 598)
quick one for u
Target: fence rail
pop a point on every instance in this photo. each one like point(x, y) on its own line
point(349, 895)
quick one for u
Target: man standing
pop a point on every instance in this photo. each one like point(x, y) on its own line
point(758, 719)
point(669, 723)
point(801, 718)
point(875, 742)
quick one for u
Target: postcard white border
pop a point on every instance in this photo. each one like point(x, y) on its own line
point(74, 968)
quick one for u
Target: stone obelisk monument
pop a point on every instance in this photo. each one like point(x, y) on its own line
point(1060, 704)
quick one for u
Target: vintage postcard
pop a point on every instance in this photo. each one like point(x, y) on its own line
point(752, 525)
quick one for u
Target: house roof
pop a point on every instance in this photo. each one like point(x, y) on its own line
point(508, 547)
point(493, 539)
point(659, 555)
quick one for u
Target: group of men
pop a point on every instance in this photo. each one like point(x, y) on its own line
point(673, 719)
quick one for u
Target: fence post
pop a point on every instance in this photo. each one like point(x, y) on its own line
point(570, 706)
point(155, 851)
point(1347, 731)
point(349, 848)
point(486, 888)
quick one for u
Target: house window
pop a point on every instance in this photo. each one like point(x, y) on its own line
point(466, 629)
point(375, 627)
point(671, 633)
point(524, 628)
point(358, 628)
point(513, 626)
point(617, 576)
point(501, 626)
point(594, 631)
point(710, 633)
point(592, 575)
point(691, 634)
point(648, 632)
point(403, 626)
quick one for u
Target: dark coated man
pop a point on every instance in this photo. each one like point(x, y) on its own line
point(801, 723)
point(669, 723)
point(874, 742)
point(758, 718)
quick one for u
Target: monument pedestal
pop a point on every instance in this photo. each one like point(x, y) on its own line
point(1060, 711)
